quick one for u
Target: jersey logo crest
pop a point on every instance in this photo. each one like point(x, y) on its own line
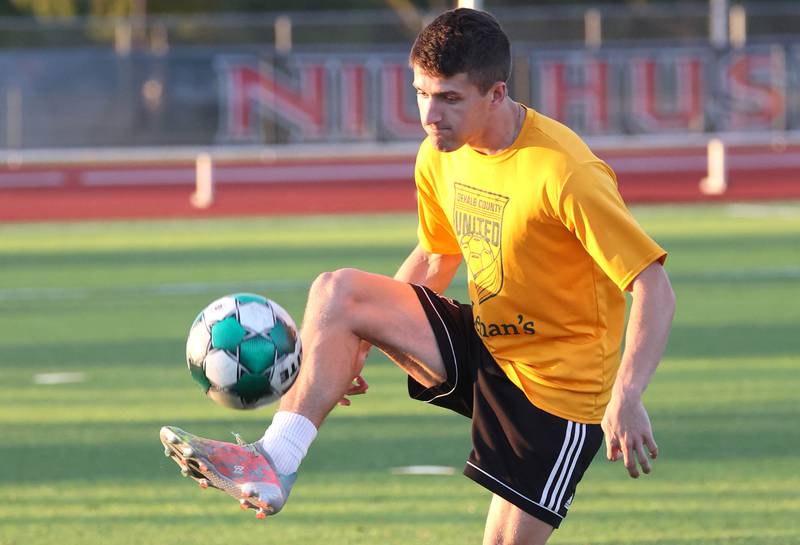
point(478, 223)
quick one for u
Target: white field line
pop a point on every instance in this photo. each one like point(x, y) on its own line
point(741, 275)
point(154, 290)
point(388, 165)
point(225, 174)
point(423, 470)
point(145, 175)
point(741, 210)
point(49, 379)
point(32, 179)
point(278, 286)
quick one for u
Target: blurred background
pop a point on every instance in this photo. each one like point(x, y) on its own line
point(156, 155)
point(129, 93)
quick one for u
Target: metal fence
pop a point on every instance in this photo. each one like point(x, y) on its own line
point(674, 22)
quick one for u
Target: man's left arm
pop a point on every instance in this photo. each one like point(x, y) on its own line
point(626, 424)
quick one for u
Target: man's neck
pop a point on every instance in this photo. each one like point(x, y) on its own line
point(502, 133)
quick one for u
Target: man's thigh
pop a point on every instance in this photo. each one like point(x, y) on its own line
point(388, 314)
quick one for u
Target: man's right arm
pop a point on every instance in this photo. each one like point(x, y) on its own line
point(434, 271)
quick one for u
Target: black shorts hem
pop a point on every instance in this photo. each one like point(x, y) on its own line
point(441, 320)
point(510, 495)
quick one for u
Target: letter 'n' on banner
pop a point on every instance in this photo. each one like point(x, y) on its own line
point(353, 100)
point(252, 91)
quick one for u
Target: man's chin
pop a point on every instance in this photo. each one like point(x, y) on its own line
point(443, 145)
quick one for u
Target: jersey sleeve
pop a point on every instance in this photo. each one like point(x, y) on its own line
point(590, 206)
point(434, 230)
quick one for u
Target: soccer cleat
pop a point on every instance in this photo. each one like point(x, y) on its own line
point(168, 436)
point(241, 470)
point(248, 490)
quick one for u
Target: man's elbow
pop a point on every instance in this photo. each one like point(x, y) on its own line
point(653, 284)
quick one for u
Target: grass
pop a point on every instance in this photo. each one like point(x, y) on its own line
point(80, 463)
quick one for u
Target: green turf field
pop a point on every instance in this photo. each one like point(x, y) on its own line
point(81, 463)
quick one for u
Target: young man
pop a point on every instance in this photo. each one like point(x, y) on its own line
point(535, 359)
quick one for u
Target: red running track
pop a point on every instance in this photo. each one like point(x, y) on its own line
point(162, 190)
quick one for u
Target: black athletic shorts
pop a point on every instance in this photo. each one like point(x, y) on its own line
point(529, 457)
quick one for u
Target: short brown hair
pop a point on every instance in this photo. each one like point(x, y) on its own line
point(464, 40)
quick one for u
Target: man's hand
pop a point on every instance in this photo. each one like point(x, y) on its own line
point(359, 385)
point(628, 433)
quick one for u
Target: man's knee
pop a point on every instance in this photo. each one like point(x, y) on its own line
point(336, 290)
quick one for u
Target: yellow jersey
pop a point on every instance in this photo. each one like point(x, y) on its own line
point(549, 247)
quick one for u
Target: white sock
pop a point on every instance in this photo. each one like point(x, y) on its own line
point(287, 440)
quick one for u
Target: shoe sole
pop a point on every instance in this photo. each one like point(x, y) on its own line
point(202, 470)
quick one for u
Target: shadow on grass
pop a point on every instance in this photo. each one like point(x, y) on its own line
point(734, 340)
point(86, 355)
point(132, 450)
point(188, 259)
point(700, 247)
point(686, 341)
point(221, 515)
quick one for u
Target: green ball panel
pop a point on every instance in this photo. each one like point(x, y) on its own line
point(257, 354)
point(227, 334)
point(251, 388)
point(249, 298)
point(199, 376)
point(283, 337)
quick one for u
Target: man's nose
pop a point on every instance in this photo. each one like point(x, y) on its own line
point(430, 113)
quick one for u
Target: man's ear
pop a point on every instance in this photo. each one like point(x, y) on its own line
point(498, 93)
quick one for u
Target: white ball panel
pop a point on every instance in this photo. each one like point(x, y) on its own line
point(226, 399)
point(283, 315)
point(275, 379)
point(198, 342)
point(219, 310)
point(255, 317)
point(284, 373)
point(221, 369)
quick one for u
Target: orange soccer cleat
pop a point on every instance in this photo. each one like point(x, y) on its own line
point(242, 470)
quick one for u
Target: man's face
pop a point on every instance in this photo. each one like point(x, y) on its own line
point(452, 110)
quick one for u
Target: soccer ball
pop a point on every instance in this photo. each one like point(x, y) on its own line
point(244, 351)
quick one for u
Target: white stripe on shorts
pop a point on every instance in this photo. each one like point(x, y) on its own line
point(565, 465)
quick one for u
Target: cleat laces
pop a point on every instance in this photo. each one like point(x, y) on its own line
point(249, 446)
